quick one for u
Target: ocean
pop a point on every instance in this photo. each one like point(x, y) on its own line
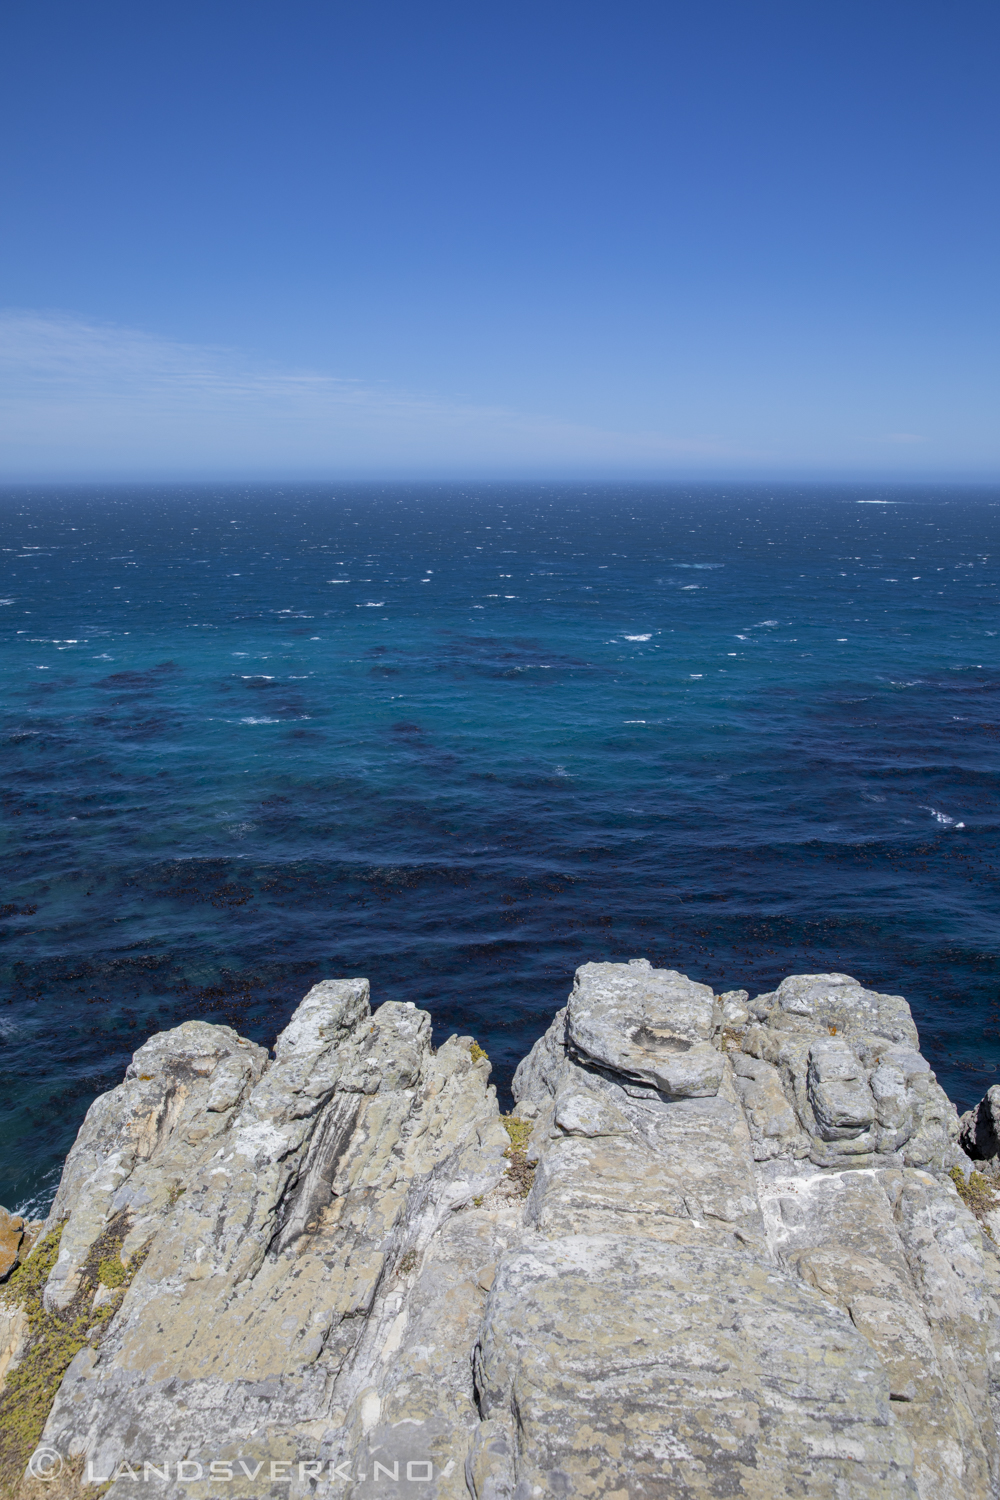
point(463, 738)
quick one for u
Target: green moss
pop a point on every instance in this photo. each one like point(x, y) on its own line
point(518, 1130)
point(111, 1272)
point(27, 1282)
point(519, 1169)
point(977, 1194)
point(53, 1338)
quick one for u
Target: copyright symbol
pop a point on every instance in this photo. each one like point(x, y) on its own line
point(45, 1463)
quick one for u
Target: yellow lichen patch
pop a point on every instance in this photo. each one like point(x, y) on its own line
point(977, 1194)
point(476, 1052)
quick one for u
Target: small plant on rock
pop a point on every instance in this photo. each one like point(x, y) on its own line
point(520, 1170)
point(976, 1194)
point(54, 1336)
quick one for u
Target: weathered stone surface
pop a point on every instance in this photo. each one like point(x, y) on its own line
point(268, 1316)
point(848, 1064)
point(140, 1143)
point(831, 1086)
point(619, 1366)
point(773, 1124)
point(650, 1025)
point(741, 1268)
point(836, 1003)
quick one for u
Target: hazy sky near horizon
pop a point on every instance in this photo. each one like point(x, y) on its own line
point(756, 236)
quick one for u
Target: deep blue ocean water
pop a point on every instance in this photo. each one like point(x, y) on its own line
point(462, 739)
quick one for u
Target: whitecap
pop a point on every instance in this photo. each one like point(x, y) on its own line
point(686, 586)
point(256, 677)
point(698, 565)
point(942, 818)
point(338, 580)
point(696, 674)
point(372, 604)
point(648, 637)
point(260, 721)
point(633, 721)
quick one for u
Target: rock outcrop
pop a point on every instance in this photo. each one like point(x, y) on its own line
point(718, 1250)
point(979, 1128)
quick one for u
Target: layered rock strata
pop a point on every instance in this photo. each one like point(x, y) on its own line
point(742, 1267)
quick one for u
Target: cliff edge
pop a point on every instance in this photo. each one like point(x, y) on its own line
point(721, 1248)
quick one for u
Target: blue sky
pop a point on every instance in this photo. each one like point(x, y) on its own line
point(324, 239)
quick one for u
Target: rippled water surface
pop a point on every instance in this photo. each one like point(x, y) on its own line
point(463, 739)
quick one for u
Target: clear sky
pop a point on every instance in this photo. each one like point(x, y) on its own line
point(330, 239)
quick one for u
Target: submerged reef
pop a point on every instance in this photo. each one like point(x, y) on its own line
point(721, 1247)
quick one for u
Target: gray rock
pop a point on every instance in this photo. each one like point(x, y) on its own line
point(771, 1118)
point(741, 1269)
point(734, 1006)
point(848, 1063)
point(651, 1025)
point(838, 1003)
point(841, 1100)
point(673, 1370)
point(140, 1144)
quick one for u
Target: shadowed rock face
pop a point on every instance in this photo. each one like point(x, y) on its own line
point(741, 1269)
point(979, 1128)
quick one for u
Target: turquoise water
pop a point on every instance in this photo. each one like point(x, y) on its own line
point(463, 739)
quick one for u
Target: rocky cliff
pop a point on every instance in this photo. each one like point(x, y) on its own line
point(722, 1247)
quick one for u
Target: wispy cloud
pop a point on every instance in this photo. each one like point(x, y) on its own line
point(79, 398)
